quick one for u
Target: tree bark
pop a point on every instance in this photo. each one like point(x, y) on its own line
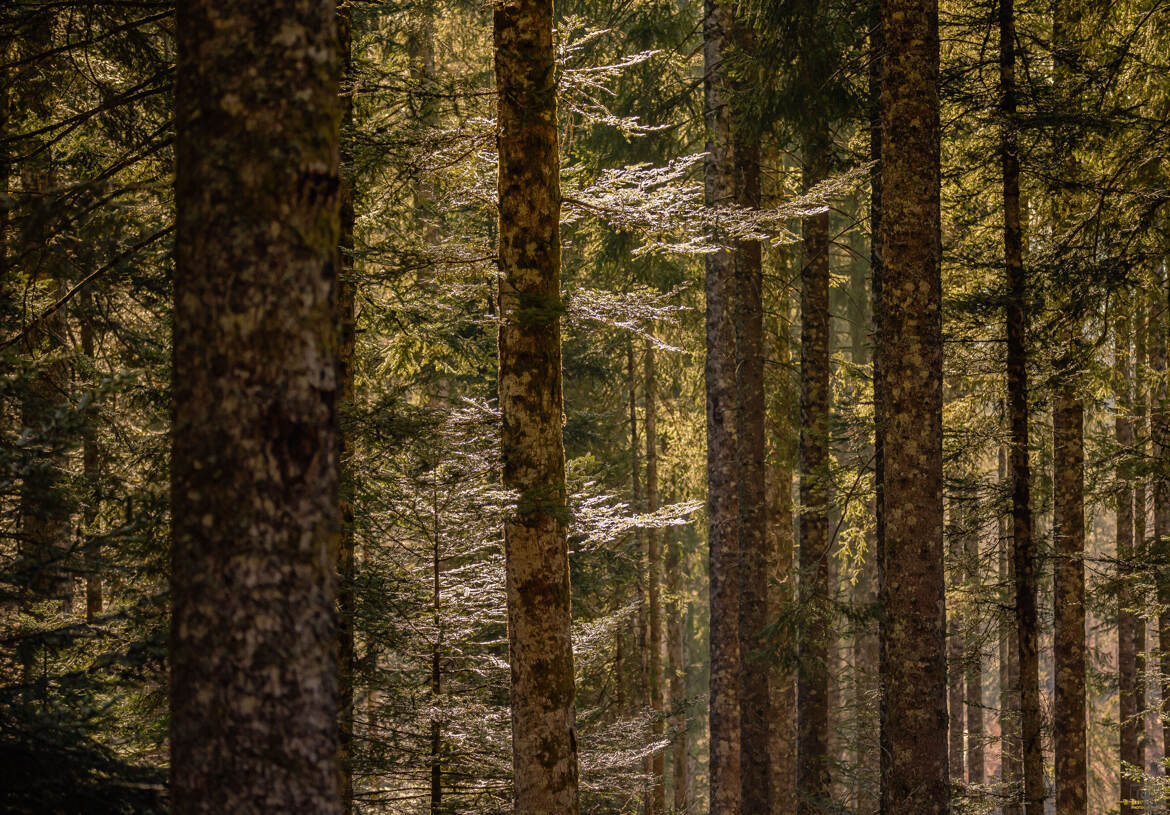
point(1126, 619)
point(955, 652)
point(908, 395)
point(722, 470)
point(813, 777)
point(544, 744)
point(254, 656)
point(1160, 436)
point(676, 655)
point(1011, 758)
point(976, 773)
point(1141, 435)
point(1023, 547)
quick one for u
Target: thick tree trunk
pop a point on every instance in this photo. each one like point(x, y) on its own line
point(1023, 547)
point(544, 743)
point(346, 330)
point(813, 777)
point(908, 393)
point(1126, 619)
point(722, 469)
point(1069, 723)
point(254, 656)
point(657, 800)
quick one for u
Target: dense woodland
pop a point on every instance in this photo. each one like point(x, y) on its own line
point(755, 406)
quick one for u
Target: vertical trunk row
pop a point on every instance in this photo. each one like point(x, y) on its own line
point(254, 656)
point(657, 801)
point(908, 392)
point(1023, 546)
point(544, 744)
point(722, 467)
point(813, 777)
point(1126, 619)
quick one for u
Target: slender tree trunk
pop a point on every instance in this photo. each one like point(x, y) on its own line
point(908, 396)
point(544, 743)
point(1011, 757)
point(346, 325)
point(1160, 435)
point(755, 703)
point(1023, 547)
point(642, 621)
point(657, 800)
point(676, 653)
point(783, 446)
point(976, 773)
point(91, 472)
point(1069, 723)
point(722, 469)
point(254, 656)
point(955, 672)
point(813, 778)
point(1126, 619)
point(1141, 434)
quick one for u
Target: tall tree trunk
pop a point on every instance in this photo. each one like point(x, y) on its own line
point(1010, 739)
point(813, 778)
point(254, 656)
point(346, 329)
point(1023, 546)
point(1126, 619)
point(1069, 723)
point(783, 445)
point(91, 472)
point(544, 743)
point(908, 399)
point(756, 712)
point(1160, 435)
point(657, 800)
point(1141, 435)
point(676, 656)
point(955, 672)
point(722, 470)
point(642, 620)
point(976, 774)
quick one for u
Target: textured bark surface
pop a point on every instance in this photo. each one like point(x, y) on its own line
point(1069, 723)
point(812, 752)
point(908, 388)
point(677, 662)
point(544, 744)
point(722, 467)
point(1023, 546)
point(1160, 436)
point(1011, 765)
point(254, 478)
point(656, 803)
point(756, 714)
point(1124, 523)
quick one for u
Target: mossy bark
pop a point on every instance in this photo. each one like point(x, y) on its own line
point(908, 392)
point(544, 744)
point(254, 658)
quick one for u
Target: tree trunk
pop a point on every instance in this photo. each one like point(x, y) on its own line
point(1023, 547)
point(676, 653)
point(1011, 758)
point(1126, 619)
point(254, 648)
point(908, 400)
point(756, 712)
point(1141, 434)
point(976, 774)
point(657, 800)
point(1160, 435)
point(722, 469)
point(544, 743)
point(813, 778)
point(1069, 723)
point(955, 672)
